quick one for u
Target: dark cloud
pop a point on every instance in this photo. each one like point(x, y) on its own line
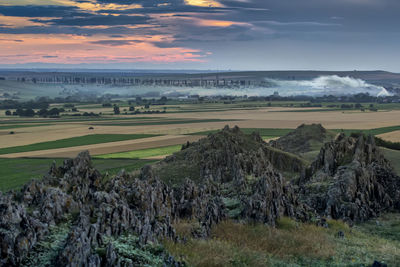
point(39, 11)
point(145, 3)
point(12, 40)
point(97, 20)
point(116, 42)
point(49, 56)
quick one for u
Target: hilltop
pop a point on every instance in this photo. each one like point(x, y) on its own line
point(76, 216)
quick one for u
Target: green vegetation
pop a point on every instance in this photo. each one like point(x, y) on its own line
point(160, 122)
point(131, 253)
point(14, 126)
point(16, 172)
point(387, 144)
point(277, 132)
point(289, 244)
point(74, 119)
point(375, 131)
point(394, 157)
point(264, 132)
point(47, 250)
point(74, 141)
point(142, 153)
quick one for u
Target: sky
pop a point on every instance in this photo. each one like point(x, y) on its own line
point(201, 34)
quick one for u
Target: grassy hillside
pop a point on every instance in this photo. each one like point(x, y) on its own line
point(291, 244)
point(394, 157)
point(16, 172)
point(142, 153)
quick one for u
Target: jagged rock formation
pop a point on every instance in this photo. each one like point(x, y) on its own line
point(96, 211)
point(351, 180)
point(303, 139)
point(77, 217)
point(232, 167)
point(240, 168)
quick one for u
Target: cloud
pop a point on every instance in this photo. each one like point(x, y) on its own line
point(97, 20)
point(116, 42)
point(12, 40)
point(224, 27)
point(39, 11)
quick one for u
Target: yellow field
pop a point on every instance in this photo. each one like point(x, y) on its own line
point(105, 148)
point(392, 136)
point(252, 118)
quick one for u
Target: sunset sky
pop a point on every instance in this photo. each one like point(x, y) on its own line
point(201, 34)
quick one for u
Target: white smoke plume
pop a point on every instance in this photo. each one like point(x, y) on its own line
point(323, 85)
point(328, 85)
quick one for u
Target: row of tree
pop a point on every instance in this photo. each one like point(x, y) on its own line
point(28, 112)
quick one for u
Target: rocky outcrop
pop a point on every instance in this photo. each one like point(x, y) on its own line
point(351, 180)
point(77, 217)
point(241, 170)
point(303, 139)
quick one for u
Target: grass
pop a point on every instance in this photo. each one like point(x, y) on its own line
point(277, 132)
point(142, 153)
point(375, 131)
point(15, 126)
point(162, 122)
point(289, 244)
point(264, 132)
point(74, 141)
point(73, 119)
point(394, 157)
point(16, 172)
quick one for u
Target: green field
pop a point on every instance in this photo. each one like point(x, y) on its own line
point(142, 153)
point(394, 157)
point(15, 126)
point(276, 132)
point(161, 122)
point(75, 141)
point(73, 119)
point(375, 131)
point(265, 133)
point(16, 172)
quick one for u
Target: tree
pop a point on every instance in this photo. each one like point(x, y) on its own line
point(54, 112)
point(147, 106)
point(8, 113)
point(29, 113)
point(43, 112)
point(131, 108)
point(116, 110)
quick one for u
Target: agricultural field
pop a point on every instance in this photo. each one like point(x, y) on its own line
point(160, 130)
point(159, 152)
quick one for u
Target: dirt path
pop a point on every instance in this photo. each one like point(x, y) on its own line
point(106, 148)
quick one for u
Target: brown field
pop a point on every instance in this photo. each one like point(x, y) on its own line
point(392, 136)
point(261, 118)
point(251, 118)
point(105, 148)
point(270, 118)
